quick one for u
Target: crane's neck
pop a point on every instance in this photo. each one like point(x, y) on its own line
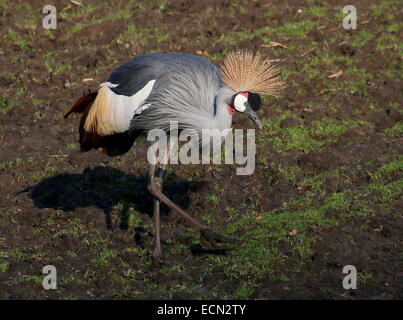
point(223, 116)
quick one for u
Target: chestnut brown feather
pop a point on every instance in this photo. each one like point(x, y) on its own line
point(113, 144)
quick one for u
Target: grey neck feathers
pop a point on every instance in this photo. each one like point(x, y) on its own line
point(222, 117)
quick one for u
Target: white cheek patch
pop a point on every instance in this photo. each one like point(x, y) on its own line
point(239, 103)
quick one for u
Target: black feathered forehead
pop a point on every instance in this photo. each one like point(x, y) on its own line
point(254, 101)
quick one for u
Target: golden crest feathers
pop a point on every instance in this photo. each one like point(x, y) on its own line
point(248, 71)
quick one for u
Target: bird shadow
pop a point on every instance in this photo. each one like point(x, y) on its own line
point(198, 250)
point(104, 188)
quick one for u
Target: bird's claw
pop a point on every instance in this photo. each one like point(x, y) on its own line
point(213, 237)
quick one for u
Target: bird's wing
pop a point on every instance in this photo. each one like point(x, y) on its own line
point(124, 95)
point(134, 75)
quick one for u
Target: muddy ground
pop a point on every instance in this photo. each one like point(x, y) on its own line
point(327, 188)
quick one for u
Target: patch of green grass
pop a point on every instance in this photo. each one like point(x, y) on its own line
point(396, 130)
point(324, 61)
point(3, 267)
point(388, 41)
point(6, 165)
point(261, 233)
point(394, 27)
point(104, 257)
point(298, 220)
point(319, 66)
point(7, 75)
point(295, 138)
point(388, 170)
point(243, 292)
point(12, 36)
point(5, 8)
point(361, 38)
point(81, 12)
point(290, 29)
point(327, 128)
point(213, 199)
point(313, 184)
point(288, 174)
point(36, 101)
point(237, 8)
point(396, 106)
point(7, 104)
point(55, 65)
point(208, 218)
point(72, 146)
point(338, 201)
point(17, 39)
point(142, 35)
point(316, 11)
point(384, 194)
point(63, 67)
point(47, 171)
point(381, 7)
point(72, 279)
point(134, 220)
point(119, 13)
point(13, 253)
point(234, 38)
point(300, 137)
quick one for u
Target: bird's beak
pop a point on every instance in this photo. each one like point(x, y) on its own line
point(252, 115)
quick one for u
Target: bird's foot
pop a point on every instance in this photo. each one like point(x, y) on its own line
point(213, 237)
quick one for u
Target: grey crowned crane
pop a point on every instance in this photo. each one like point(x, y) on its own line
point(152, 90)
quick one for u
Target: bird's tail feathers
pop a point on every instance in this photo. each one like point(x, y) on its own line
point(94, 122)
point(100, 118)
point(82, 104)
point(88, 140)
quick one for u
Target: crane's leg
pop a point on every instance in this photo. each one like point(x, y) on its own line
point(155, 189)
point(157, 226)
point(157, 252)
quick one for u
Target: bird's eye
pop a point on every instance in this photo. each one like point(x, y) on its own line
point(239, 102)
